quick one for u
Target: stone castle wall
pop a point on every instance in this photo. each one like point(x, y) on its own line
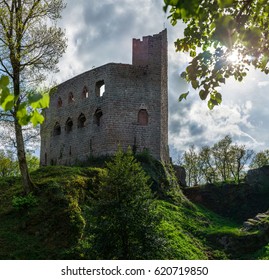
point(84, 121)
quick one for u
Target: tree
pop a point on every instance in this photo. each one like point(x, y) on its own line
point(29, 47)
point(190, 162)
point(239, 157)
point(8, 165)
point(32, 161)
point(224, 38)
point(123, 220)
point(223, 161)
point(260, 159)
point(31, 135)
point(222, 156)
point(207, 165)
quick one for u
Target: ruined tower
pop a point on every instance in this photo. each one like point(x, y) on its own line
point(115, 104)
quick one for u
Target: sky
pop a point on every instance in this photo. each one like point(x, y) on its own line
point(100, 32)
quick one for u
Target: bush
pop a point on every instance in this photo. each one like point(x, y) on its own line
point(24, 202)
point(123, 218)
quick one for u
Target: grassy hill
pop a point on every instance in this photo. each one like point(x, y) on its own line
point(51, 222)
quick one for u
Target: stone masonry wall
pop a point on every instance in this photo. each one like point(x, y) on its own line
point(131, 112)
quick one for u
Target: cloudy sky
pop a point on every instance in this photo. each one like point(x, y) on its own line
point(100, 32)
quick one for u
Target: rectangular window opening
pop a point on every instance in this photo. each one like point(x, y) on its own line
point(100, 88)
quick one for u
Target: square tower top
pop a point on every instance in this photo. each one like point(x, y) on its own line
point(150, 50)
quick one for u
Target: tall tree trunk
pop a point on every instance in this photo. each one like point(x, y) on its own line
point(26, 180)
point(15, 58)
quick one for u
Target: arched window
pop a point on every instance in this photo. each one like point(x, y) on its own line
point(143, 117)
point(81, 120)
point(68, 125)
point(85, 93)
point(57, 129)
point(97, 116)
point(59, 102)
point(71, 97)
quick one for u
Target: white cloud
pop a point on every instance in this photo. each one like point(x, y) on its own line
point(100, 32)
point(263, 84)
point(200, 126)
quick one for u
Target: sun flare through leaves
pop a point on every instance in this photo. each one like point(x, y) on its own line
point(223, 38)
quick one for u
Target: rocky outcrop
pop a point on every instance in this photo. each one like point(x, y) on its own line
point(258, 177)
point(180, 173)
point(259, 223)
point(239, 202)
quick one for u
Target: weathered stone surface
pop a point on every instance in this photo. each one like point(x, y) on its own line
point(259, 176)
point(84, 121)
point(180, 173)
point(259, 222)
point(238, 202)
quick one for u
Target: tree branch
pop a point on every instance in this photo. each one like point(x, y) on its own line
point(5, 68)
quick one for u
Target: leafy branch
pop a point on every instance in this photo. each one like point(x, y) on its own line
point(28, 111)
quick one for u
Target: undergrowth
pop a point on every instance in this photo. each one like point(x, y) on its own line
point(51, 222)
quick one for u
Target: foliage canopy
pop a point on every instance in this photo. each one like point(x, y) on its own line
point(223, 162)
point(30, 45)
point(224, 38)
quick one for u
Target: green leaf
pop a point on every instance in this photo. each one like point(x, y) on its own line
point(192, 53)
point(183, 75)
point(212, 101)
point(6, 99)
point(216, 97)
point(222, 80)
point(210, 104)
point(39, 101)
point(36, 118)
point(195, 84)
point(4, 93)
point(8, 102)
point(183, 96)
point(4, 81)
point(24, 120)
point(22, 114)
point(203, 94)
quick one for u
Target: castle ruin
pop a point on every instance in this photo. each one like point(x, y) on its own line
point(115, 104)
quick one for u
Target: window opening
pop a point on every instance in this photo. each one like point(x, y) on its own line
point(70, 151)
point(85, 93)
point(100, 88)
point(71, 97)
point(143, 117)
point(81, 120)
point(68, 125)
point(59, 102)
point(46, 159)
point(134, 146)
point(57, 129)
point(97, 116)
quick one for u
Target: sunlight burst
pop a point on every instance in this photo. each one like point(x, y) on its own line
point(234, 57)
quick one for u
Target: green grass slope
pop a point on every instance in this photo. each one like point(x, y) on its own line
point(51, 223)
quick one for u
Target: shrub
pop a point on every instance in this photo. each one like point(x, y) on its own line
point(123, 218)
point(24, 202)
